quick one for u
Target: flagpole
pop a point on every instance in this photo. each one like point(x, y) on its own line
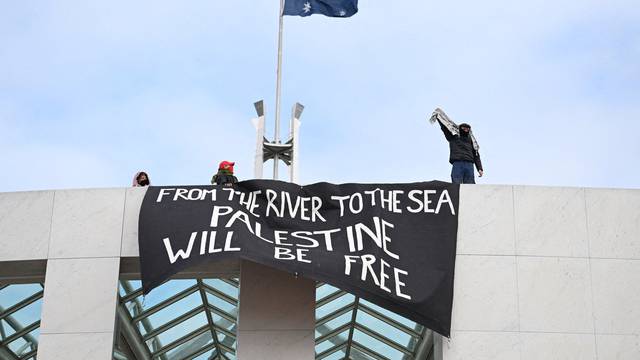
point(278, 80)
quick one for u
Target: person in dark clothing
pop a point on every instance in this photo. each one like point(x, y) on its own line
point(463, 148)
point(462, 154)
point(224, 176)
point(141, 179)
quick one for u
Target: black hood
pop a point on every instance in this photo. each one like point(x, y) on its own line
point(462, 132)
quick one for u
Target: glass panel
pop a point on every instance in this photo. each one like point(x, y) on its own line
point(180, 330)
point(226, 340)
point(222, 304)
point(207, 355)
point(357, 354)
point(337, 322)
point(334, 305)
point(165, 291)
point(172, 311)
point(6, 328)
point(13, 294)
point(167, 315)
point(223, 286)
point(134, 308)
point(229, 356)
point(19, 346)
point(130, 286)
point(15, 322)
point(382, 327)
point(121, 291)
point(24, 344)
point(324, 291)
point(327, 344)
point(376, 345)
point(219, 321)
point(29, 314)
point(155, 346)
point(161, 294)
point(338, 355)
point(190, 346)
point(402, 320)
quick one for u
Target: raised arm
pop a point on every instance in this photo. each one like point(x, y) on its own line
point(447, 134)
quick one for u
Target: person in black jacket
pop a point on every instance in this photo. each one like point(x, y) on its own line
point(224, 176)
point(462, 154)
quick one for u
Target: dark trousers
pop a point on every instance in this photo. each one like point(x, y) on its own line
point(462, 173)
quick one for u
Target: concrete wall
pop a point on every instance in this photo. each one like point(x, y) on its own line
point(546, 273)
point(78, 233)
point(542, 273)
point(80, 242)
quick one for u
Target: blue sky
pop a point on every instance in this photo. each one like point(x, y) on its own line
point(91, 92)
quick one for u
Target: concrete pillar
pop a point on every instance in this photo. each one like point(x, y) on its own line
point(277, 315)
point(79, 309)
point(81, 283)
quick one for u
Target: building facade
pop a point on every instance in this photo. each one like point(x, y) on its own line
point(541, 273)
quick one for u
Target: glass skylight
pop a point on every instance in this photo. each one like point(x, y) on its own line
point(181, 319)
point(197, 319)
point(20, 308)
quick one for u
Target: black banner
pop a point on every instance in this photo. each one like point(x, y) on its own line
point(391, 244)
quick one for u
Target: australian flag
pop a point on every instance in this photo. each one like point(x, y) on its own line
point(333, 8)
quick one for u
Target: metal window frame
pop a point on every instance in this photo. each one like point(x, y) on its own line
point(419, 347)
point(20, 331)
point(131, 297)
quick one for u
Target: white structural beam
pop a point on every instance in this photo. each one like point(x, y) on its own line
point(294, 132)
point(258, 123)
point(277, 310)
point(277, 315)
point(80, 295)
point(79, 309)
point(276, 150)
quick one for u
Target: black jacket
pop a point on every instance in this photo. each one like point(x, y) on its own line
point(461, 148)
point(223, 179)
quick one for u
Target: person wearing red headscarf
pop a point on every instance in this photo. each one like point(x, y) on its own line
point(224, 176)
